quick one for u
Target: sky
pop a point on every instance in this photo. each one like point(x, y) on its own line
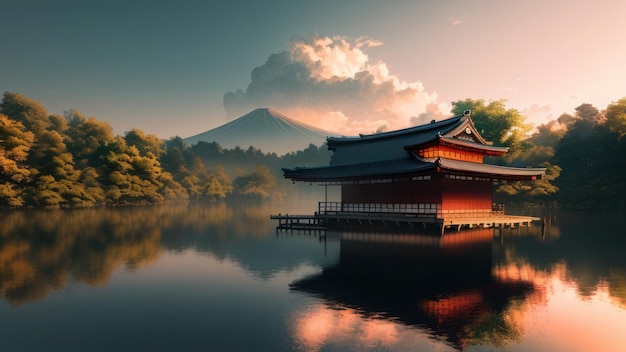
point(181, 67)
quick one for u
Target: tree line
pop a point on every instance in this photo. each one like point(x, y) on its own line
point(584, 153)
point(71, 160)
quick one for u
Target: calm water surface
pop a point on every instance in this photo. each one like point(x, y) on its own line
point(219, 278)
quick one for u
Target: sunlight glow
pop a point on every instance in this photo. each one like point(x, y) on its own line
point(321, 325)
point(560, 317)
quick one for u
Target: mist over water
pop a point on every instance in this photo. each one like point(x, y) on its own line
point(219, 276)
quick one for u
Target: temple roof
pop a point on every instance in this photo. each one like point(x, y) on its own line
point(392, 145)
point(379, 169)
point(408, 167)
point(495, 171)
point(488, 149)
point(392, 154)
point(434, 127)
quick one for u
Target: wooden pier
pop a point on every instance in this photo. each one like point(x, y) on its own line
point(298, 222)
point(321, 222)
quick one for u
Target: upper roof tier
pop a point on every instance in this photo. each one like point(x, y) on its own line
point(394, 144)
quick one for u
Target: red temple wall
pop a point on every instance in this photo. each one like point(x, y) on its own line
point(368, 193)
point(407, 192)
point(424, 191)
point(455, 196)
point(466, 196)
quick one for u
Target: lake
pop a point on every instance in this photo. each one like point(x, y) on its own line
point(218, 277)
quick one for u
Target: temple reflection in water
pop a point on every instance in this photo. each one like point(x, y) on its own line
point(442, 284)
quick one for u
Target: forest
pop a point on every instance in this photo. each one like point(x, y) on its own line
point(71, 160)
point(583, 153)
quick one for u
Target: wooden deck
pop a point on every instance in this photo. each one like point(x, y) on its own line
point(298, 222)
point(321, 222)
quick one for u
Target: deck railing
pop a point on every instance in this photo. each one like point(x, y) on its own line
point(419, 209)
point(416, 209)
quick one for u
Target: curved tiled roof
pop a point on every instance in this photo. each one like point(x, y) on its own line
point(387, 145)
point(434, 128)
point(409, 167)
point(389, 154)
point(489, 170)
point(359, 171)
point(490, 149)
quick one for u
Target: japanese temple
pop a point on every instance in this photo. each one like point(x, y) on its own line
point(427, 174)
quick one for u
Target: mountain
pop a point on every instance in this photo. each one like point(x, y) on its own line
point(265, 129)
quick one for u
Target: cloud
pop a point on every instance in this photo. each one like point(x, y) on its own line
point(455, 21)
point(329, 82)
point(538, 114)
point(433, 112)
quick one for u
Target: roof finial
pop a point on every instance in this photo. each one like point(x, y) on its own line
point(467, 112)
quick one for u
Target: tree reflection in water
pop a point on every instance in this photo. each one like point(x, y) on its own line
point(41, 249)
point(585, 249)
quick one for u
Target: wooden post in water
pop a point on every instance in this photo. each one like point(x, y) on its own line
point(325, 194)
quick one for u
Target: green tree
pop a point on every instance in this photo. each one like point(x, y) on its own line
point(174, 162)
point(194, 177)
point(217, 184)
point(312, 155)
point(58, 123)
point(616, 117)
point(588, 112)
point(132, 178)
point(15, 143)
point(209, 153)
point(27, 111)
point(169, 188)
point(257, 185)
point(56, 182)
point(123, 184)
point(540, 189)
point(506, 127)
point(568, 120)
point(592, 156)
point(148, 166)
point(86, 138)
point(193, 185)
point(147, 145)
point(495, 122)
point(93, 191)
point(548, 134)
point(52, 165)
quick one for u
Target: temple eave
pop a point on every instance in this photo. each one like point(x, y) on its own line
point(514, 174)
point(294, 175)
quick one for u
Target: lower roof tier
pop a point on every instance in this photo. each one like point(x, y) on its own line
point(409, 167)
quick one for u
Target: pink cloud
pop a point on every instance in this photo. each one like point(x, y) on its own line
point(455, 21)
point(331, 83)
